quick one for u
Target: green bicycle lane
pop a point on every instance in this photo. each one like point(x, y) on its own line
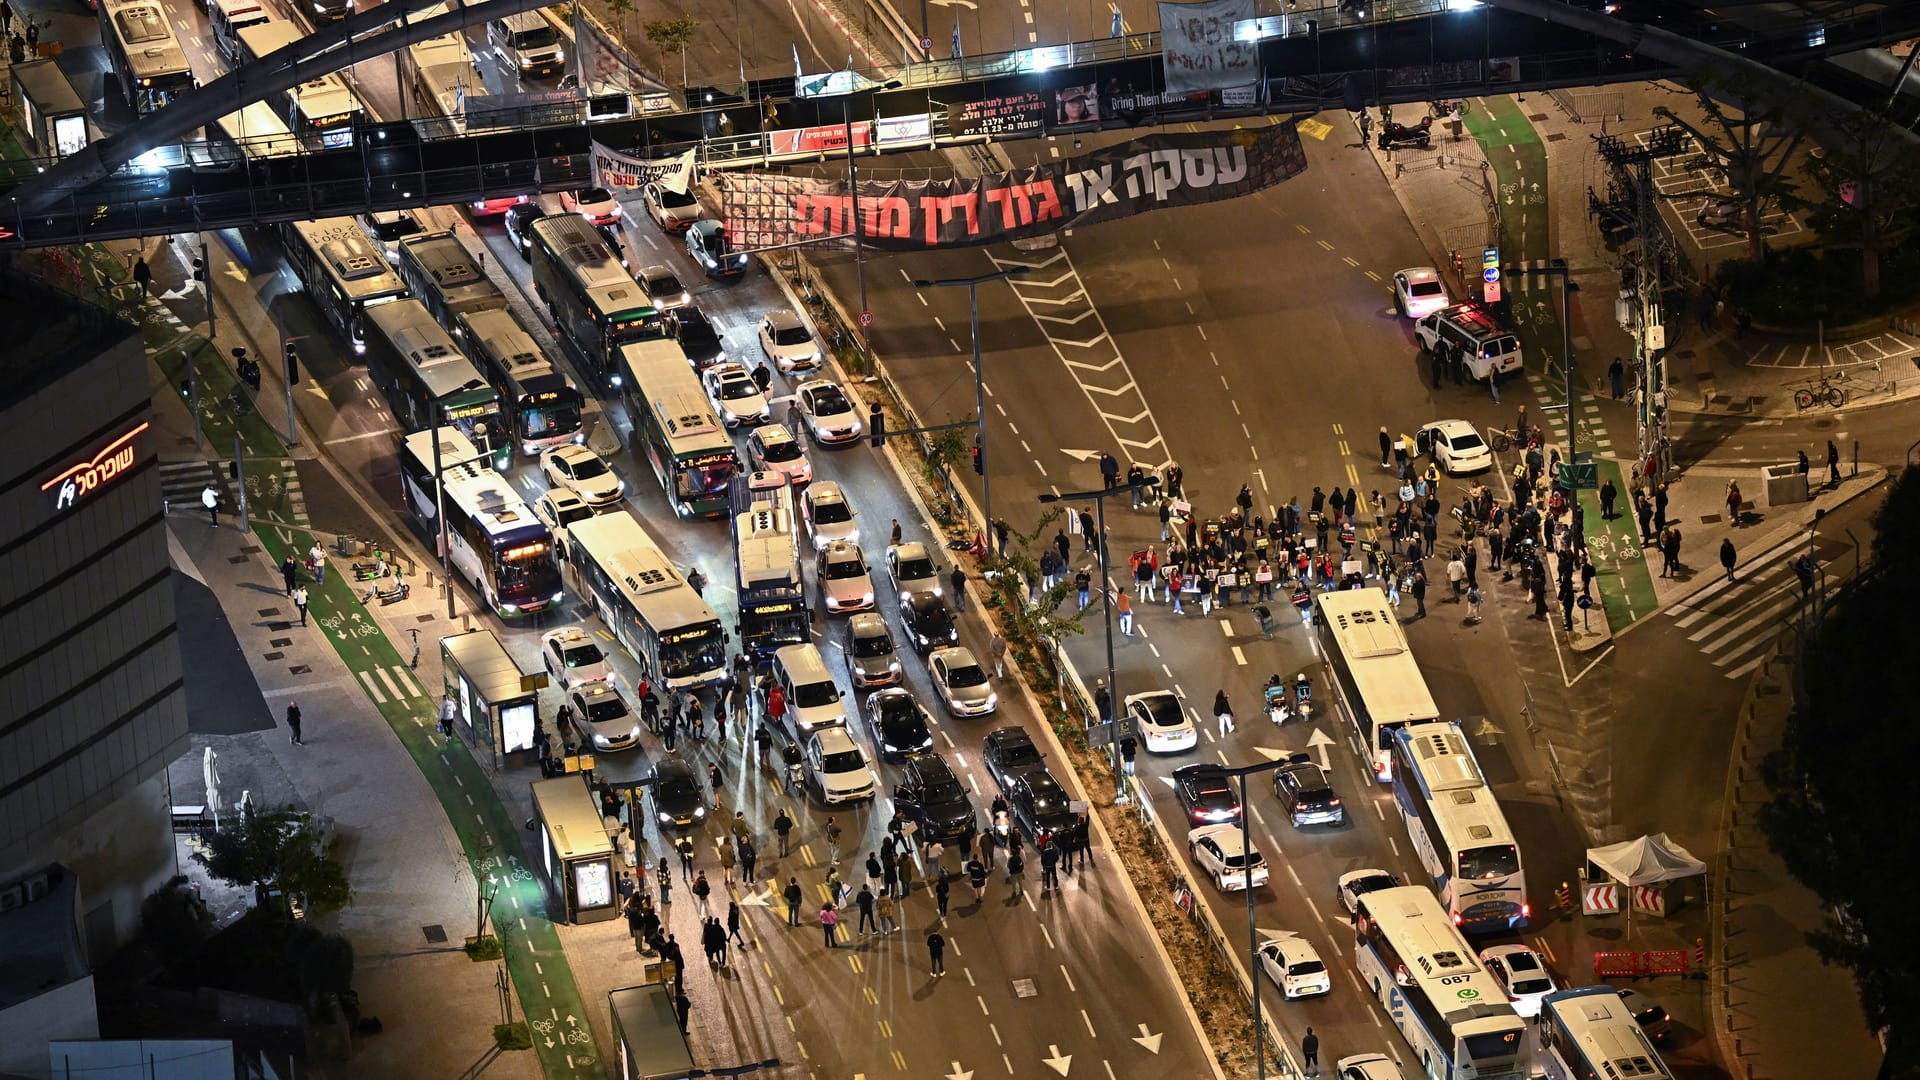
point(535, 959)
point(1519, 160)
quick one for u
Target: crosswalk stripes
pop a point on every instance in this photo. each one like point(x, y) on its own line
point(182, 481)
point(1733, 623)
point(384, 684)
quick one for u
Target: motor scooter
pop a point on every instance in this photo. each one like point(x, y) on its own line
point(1397, 136)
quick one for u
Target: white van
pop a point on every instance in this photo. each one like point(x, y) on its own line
point(527, 44)
point(1471, 335)
point(813, 701)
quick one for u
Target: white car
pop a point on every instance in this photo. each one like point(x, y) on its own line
point(961, 682)
point(1419, 292)
point(1163, 724)
point(1295, 967)
point(1357, 883)
point(772, 448)
point(1521, 974)
point(581, 471)
point(828, 413)
point(664, 288)
point(597, 204)
point(838, 766)
point(829, 516)
point(844, 582)
point(573, 658)
point(602, 717)
point(735, 396)
point(1367, 1067)
point(912, 569)
point(1217, 850)
point(788, 343)
point(1456, 446)
point(559, 508)
point(671, 210)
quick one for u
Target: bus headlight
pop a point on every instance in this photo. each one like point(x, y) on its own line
point(614, 379)
point(559, 596)
point(509, 609)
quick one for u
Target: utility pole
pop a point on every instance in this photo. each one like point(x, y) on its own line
point(972, 285)
point(1640, 310)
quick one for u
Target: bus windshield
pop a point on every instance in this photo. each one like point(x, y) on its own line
point(692, 652)
point(1490, 863)
point(541, 421)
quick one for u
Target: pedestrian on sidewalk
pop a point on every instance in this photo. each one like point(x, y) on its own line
point(6, 17)
point(1833, 464)
point(1643, 510)
point(210, 498)
point(317, 563)
point(1660, 506)
point(1728, 556)
point(1587, 573)
point(293, 724)
point(1733, 503)
point(142, 276)
point(1366, 128)
point(1617, 378)
point(1223, 712)
point(300, 601)
point(1310, 1054)
point(937, 945)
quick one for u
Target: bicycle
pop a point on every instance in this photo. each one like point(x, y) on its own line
point(1825, 391)
point(1505, 439)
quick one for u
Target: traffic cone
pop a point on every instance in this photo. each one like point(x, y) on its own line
point(1564, 894)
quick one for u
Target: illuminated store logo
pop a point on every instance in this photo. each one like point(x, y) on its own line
point(84, 478)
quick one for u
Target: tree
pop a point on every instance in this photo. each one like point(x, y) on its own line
point(1751, 150)
point(1038, 622)
point(670, 35)
point(1837, 817)
point(1870, 180)
point(622, 9)
point(279, 852)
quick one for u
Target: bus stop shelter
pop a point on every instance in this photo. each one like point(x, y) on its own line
point(575, 849)
point(497, 701)
point(56, 118)
point(647, 1034)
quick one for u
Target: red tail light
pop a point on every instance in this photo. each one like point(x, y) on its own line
point(1526, 911)
point(1457, 920)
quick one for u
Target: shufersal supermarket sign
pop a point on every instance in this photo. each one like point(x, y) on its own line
point(82, 479)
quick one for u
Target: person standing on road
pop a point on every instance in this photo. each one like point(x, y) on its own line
point(829, 920)
point(1728, 557)
point(293, 724)
point(997, 648)
point(1310, 1054)
point(1608, 493)
point(1050, 868)
point(1456, 576)
point(1016, 874)
point(937, 945)
point(1123, 607)
point(1617, 378)
point(942, 890)
point(1223, 712)
point(300, 601)
point(782, 827)
point(733, 923)
point(1386, 446)
point(1109, 471)
point(1419, 593)
point(142, 276)
point(884, 907)
point(958, 580)
point(1086, 531)
point(792, 895)
point(977, 878)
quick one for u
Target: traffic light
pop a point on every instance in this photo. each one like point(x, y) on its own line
point(979, 459)
point(200, 270)
point(876, 426)
point(293, 364)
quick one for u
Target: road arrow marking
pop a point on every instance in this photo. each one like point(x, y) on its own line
point(234, 271)
point(1149, 1040)
point(1270, 753)
point(959, 1073)
point(180, 293)
point(1081, 455)
point(1319, 741)
point(1060, 1062)
point(757, 899)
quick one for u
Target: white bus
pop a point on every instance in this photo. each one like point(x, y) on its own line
point(674, 427)
point(643, 599)
point(255, 133)
point(226, 18)
point(440, 75)
point(146, 53)
point(1590, 1034)
point(1457, 828)
point(540, 406)
point(1372, 672)
point(343, 272)
point(444, 275)
point(494, 540)
point(323, 110)
point(770, 584)
point(1450, 1009)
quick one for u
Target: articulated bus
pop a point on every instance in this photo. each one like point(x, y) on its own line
point(772, 586)
point(643, 599)
point(493, 538)
point(1371, 669)
point(674, 426)
point(323, 110)
point(342, 272)
point(1450, 1009)
point(1457, 828)
point(1590, 1034)
point(146, 55)
point(428, 381)
point(446, 277)
point(595, 304)
point(541, 406)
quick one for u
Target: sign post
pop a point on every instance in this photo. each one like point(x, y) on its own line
point(1490, 274)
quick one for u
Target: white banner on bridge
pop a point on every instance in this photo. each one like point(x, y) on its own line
point(1201, 49)
point(613, 169)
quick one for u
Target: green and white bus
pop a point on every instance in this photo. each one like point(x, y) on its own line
point(594, 303)
point(645, 601)
point(675, 428)
point(428, 381)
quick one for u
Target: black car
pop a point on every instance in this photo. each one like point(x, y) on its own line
point(928, 623)
point(1206, 795)
point(1304, 789)
point(517, 220)
point(930, 795)
point(695, 333)
point(1009, 752)
point(898, 723)
point(1040, 805)
point(679, 799)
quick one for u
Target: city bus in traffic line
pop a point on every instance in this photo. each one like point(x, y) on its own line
point(540, 407)
point(253, 134)
point(444, 275)
point(1451, 1010)
point(595, 305)
point(771, 584)
point(342, 271)
point(322, 111)
point(1457, 828)
point(146, 54)
point(1590, 1034)
point(440, 73)
point(645, 602)
point(428, 381)
point(494, 541)
point(675, 429)
point(1372, 671)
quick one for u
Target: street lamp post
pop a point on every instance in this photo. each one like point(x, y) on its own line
point(853, 190)
point(1253, 934)
point(1106, 604)
point(972, 285)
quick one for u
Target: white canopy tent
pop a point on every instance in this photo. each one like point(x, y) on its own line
point(1646, 861)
